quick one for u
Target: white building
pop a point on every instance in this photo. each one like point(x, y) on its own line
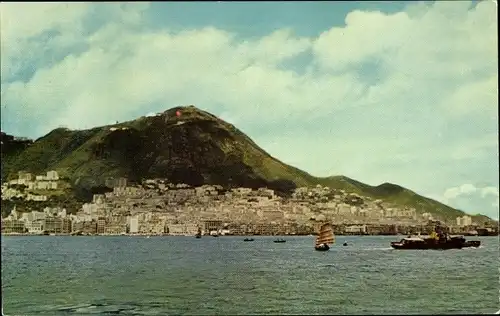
point(52, 175)
point(14, 214)
point(98, 198)
point(38, 215)
point(133, 224)
point(62, 213)
point(356, 229)
point(177, 229)
point(35, 227)
point(90, 208)
point(24, 176)
point(35, 197)
point(241, 191)
point(464, 221)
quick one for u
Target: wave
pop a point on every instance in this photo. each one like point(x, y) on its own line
point(97, 308)
point(377, 249)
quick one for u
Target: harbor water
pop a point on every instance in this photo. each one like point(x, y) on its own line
point(62, 275)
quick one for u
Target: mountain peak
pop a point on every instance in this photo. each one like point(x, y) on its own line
point(183, 144)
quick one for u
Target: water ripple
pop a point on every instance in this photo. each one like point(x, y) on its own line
point(217, 276)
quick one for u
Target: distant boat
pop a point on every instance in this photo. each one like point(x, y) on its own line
point(344, 244)
point(325, 237)
point(248, 239)
point(279, 240)
point(198, 234)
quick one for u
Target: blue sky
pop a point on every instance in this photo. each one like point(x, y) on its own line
point(401, 92)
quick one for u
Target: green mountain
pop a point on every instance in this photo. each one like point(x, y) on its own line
point(194, 147)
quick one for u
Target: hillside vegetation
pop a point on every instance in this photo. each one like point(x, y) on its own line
point(194, 148)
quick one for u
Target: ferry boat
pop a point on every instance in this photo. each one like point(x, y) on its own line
point(438, 240)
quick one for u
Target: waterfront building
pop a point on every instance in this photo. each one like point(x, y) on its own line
point(212, 225)
point(133, 224)
point(177, 229)
point(13, 226)
point(36, 226)
point(115, 229)
point(101, 224)
point(90, 227)
point(66, 225)
point(355, 229)
point(53, 225)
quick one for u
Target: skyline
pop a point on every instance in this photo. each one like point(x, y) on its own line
point(398, 92)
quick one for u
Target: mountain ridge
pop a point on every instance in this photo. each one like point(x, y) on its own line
point(194, 147)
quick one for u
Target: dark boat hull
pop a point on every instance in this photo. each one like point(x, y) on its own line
point(322, 248)
point(435, 245)
point(280, 241)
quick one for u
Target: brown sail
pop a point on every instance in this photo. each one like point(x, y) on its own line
point(325, 235)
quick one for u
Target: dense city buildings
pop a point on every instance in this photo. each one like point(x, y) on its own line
point(156, 207)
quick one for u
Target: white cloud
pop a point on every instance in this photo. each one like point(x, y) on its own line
point(464, 189)
point(384, 89)
point(20, 21)
point(485, 197)
point(478, 96)
point(130, 69)
point(493, 191)
point(23, 25)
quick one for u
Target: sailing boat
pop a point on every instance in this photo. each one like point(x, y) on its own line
point(198, 234)
point(324, 238)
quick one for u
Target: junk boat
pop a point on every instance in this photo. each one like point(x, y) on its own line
point(438, 240)
point(198, 234)
point(324, 238)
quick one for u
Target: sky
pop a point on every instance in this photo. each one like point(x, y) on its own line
point(400, 92)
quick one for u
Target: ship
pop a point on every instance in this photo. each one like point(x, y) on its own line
point(438, 240)
point(198, 234)
point(324, 238)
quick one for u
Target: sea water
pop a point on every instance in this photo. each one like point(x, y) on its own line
point(58, 275)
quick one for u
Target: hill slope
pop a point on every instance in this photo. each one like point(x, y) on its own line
point(194, 148)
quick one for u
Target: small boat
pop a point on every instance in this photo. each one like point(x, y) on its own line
point(344, 244)
point(325, 237)
point(279, 240)
point(248, 239)
point(198, 234)
point(438, 240)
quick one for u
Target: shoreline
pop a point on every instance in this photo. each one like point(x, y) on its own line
point(206, 236)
